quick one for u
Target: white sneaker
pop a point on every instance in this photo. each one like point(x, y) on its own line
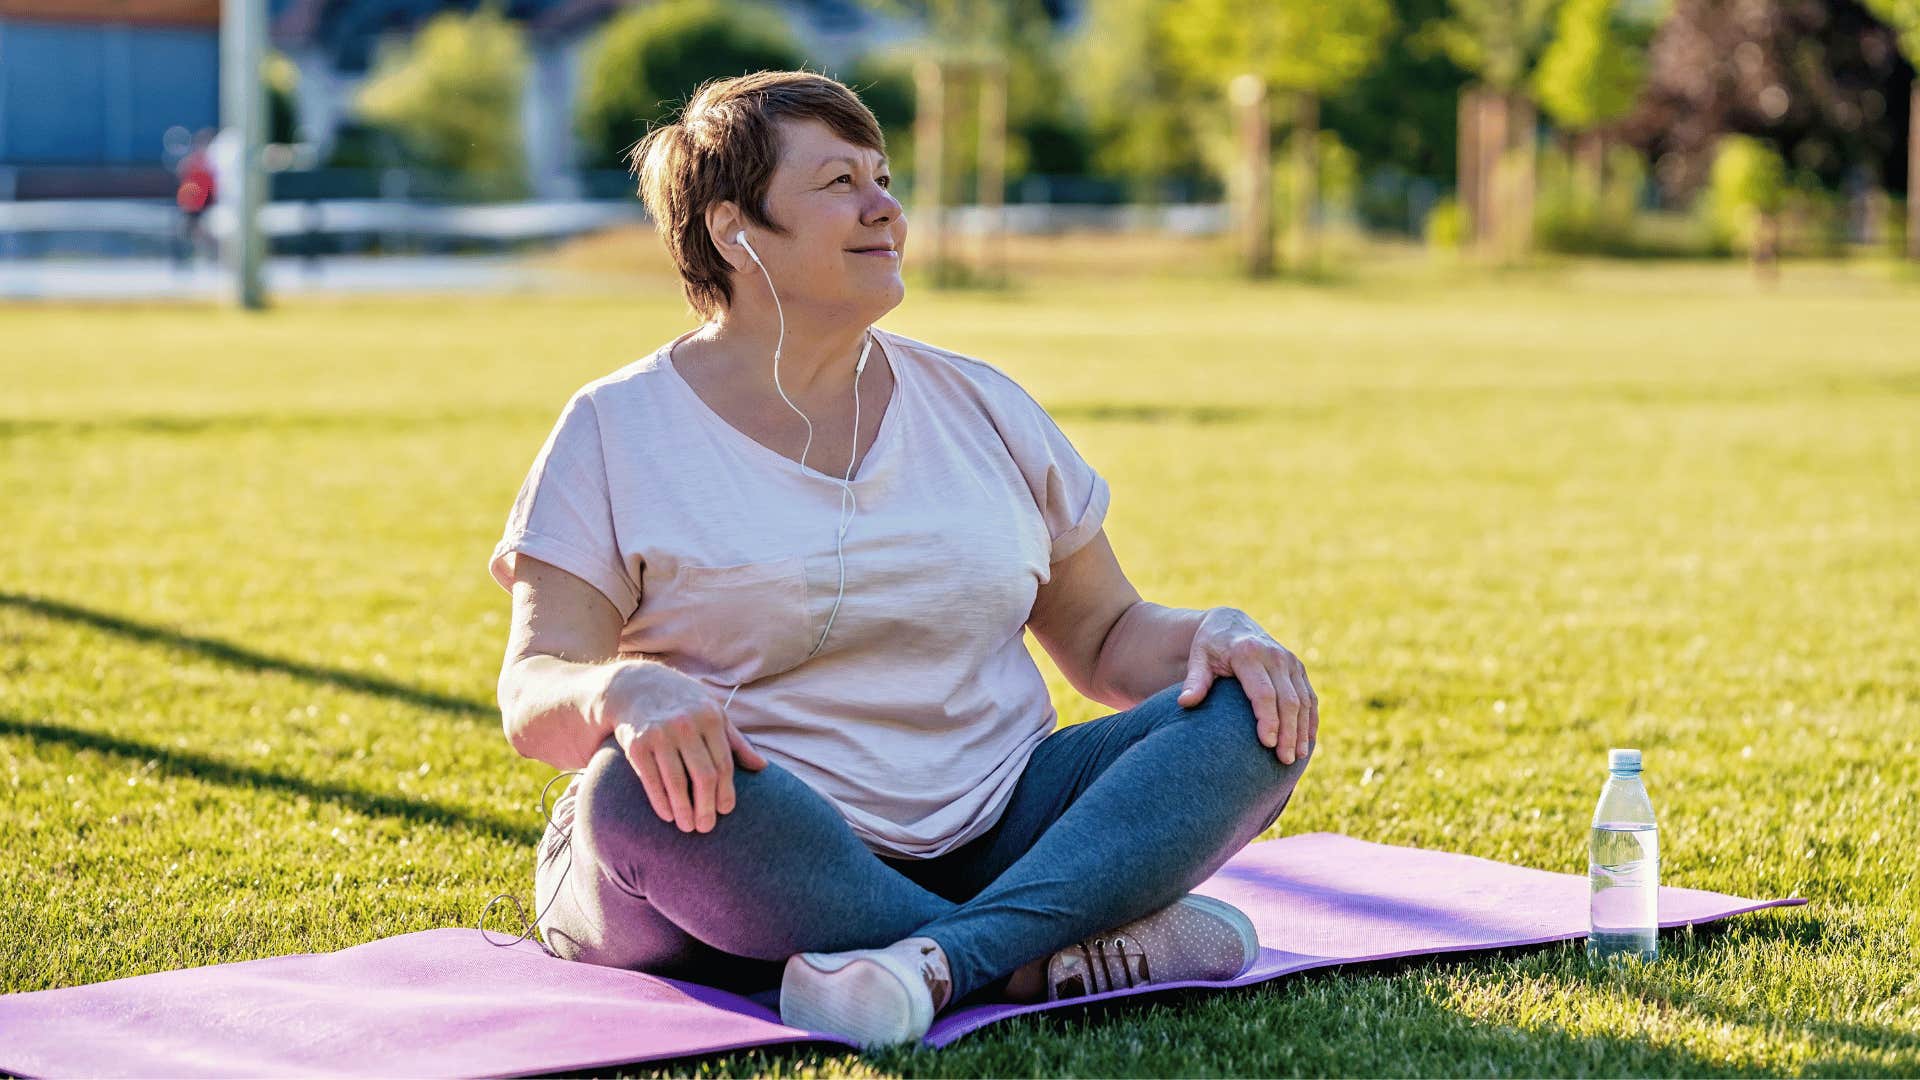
point(877, 997)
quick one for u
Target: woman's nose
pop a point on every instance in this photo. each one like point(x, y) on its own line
point(885, 207)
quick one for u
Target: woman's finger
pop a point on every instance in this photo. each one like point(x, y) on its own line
point(1289, 705)
point(1313, 707)
point(640, 757)
point(1259, 687)
point(750, 758)
point(673, 777)
point(714, 735)
point(702, 780)
point(1298, 677)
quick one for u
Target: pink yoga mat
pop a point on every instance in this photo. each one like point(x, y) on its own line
point(447, 1003)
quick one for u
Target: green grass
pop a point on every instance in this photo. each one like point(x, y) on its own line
point(248, 641)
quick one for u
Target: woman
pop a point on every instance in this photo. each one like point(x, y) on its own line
point(904, 826)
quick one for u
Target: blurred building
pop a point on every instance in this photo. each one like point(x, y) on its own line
point(88, 88)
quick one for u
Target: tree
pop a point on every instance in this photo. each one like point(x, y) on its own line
point(1400, 114)
point(984, 40)
point(452, 97)
point(1903, 16)
point(1589, 77)
point(1304, 48)
point(1139, 102)
point(647, 60)
point(1822, 80)
point(1498, 40)
point(1744, 198)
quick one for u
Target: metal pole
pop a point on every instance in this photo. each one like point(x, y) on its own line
point(930, 172)
point(243, 109)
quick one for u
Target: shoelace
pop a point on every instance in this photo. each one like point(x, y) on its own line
point(938, 984)
point(1101, 963)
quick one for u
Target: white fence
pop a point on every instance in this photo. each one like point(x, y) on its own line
point(525, 221)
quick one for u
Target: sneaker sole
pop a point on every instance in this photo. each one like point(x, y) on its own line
point(864, 999)
point(1234, 917)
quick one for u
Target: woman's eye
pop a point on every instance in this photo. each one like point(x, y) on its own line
point(886, 181)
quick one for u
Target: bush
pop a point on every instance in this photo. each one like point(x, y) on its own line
point(1749, 181)
point(1446, 226)
point(452, 98)
point(648, 60)
point(1571, 216)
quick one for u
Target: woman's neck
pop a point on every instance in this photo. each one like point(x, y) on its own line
point(815, 361)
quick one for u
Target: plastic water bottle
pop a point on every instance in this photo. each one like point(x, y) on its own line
point(1623, 866)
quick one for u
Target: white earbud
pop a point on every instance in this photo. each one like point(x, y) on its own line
point(741, 239)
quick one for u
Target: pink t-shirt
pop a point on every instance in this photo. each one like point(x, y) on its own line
point(917, 716)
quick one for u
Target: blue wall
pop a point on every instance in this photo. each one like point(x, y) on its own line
point(80, 94)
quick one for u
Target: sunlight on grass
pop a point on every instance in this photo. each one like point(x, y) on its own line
point(249, 642)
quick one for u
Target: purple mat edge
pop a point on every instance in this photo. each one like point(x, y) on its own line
point(1273, 964)
point(958, 1025)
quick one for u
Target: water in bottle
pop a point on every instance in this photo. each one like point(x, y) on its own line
point(1623, 866)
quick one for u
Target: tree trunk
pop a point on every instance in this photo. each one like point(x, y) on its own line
point(1913, 173)
point(1467, 162)
point(993, 170)
point(1522, 130)
point(1249, 95)
point(1492, 129)
point(929, 165)
point(1306, 180)
point(1592, 166)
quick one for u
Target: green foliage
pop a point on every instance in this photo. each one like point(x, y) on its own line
point(1497, 40)
point(282, 80)
point(1446, 227)
point(1591, 73)
point(649, 59)
point(1749, 181)
point(1904, 17)
point(1571, 216)
point(1143, 110)
point(1317, 46)
point(1401, 114)
point(1337, 178)
point(452, 97)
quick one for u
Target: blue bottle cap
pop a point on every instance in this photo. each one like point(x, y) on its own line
point(1621, 760)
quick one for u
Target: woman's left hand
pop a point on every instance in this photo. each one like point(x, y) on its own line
point(1284, 704)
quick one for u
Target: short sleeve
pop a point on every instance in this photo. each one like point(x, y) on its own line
point(563, 514)
point(1071, 494)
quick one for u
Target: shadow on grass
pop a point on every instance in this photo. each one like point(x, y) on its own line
point(188, 424)
point(227, 653)
point(1162, 414)
point(214, 771)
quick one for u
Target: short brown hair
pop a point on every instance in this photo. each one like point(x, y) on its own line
point(725, 145)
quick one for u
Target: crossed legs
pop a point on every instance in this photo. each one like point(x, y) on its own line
point(1111, 819)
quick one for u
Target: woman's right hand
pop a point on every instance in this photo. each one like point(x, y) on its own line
point(679, 741)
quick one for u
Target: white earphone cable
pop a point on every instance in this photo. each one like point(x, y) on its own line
point(839, 548)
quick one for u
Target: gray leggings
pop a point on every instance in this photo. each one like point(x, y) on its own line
point(1112, 819)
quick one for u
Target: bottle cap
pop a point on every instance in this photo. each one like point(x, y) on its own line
point(1622, 760)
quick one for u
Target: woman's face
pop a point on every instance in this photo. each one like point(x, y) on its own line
point(833, 198)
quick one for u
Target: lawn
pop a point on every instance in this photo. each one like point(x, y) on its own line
point(248, 642)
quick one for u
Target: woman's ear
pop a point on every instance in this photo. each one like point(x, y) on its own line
point(723, 221)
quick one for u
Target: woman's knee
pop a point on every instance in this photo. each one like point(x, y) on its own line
point(1228, 712)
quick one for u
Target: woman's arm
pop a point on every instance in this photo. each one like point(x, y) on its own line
point(1114, 647)
point(562, 695)
point(558, 666)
